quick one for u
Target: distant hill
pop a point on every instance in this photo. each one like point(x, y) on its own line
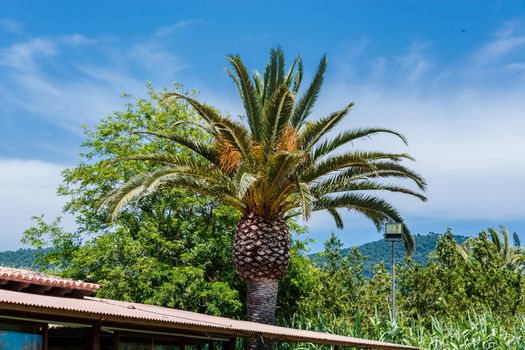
point(380, 250)
point(21, 258)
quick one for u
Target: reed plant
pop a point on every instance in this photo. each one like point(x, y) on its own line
point(484, 331)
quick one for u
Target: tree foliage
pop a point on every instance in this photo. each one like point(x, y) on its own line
point(448, 287)
point(452, 285)
point(172, 249)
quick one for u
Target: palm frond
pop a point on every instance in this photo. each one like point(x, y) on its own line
point(271, 74)
point(298, 77)
point(385, 169)
point(345, 137)
point(516, 239)
point(378, 170)
point(207, 112)
point(259, 86)
point(277, 112)
point(306, 102)
point(290, 76)
point(337, 217)
point(205, 150)
point(280, 167)
point(279, 79)
point(227, 130)
point(306, 199)
point(363, 160)
point(207, 186)
point(314, 131)
point(248, 94)
point(117, 199)
point(334, 185)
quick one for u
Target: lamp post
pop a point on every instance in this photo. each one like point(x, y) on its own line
point(393, 233)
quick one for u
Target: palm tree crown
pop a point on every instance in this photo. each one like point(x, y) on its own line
point(277, 162)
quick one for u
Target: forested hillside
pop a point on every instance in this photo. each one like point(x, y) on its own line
point(379, 251)
point(21, 258)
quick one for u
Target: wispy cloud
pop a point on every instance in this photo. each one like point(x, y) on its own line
point(22, 56)
point(11, 26)
point(177, 27)
point(72, 79)
point(415, 63)
point(508, 40)
point(67, 80)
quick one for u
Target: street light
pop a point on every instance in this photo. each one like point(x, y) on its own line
point(393, 233)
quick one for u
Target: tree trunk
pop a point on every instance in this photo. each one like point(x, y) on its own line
point(261, 300)
point(261, 253)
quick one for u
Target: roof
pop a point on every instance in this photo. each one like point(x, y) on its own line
point(121, 312)
point(39, 283)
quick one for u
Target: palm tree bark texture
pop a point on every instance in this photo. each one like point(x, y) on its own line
point(273, 165)
point(261, 255)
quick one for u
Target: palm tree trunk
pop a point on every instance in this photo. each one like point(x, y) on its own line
point(261, 252)
point(261, 300)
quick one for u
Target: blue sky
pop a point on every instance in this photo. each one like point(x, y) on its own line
point(450, 75)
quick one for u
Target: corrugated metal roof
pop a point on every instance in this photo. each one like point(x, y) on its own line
point(40, 279)
point(90, 308)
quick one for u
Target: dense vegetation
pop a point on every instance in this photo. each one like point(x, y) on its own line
point(175, 250)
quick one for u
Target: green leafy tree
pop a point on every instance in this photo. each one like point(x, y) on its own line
point(171, 249)
point(338, 284)
point(376, 294)
point(451, 285)
point(275, 166)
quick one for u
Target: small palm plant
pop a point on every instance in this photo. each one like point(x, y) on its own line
point(271, 166)
point(513, 255)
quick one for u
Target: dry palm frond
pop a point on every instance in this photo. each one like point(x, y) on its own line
point(288, 140)
point(229, 157)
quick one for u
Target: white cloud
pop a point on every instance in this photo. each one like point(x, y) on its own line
point(28, 188)
point(156, 59)
point(469, 149)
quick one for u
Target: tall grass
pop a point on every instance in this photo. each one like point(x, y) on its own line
point(473, 332)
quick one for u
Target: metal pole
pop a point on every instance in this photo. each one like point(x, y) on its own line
point(394, 281)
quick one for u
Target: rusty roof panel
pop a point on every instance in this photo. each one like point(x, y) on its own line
point(120, 311)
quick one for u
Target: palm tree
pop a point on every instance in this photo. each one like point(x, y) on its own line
point(273, 165)
point(513, 255)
